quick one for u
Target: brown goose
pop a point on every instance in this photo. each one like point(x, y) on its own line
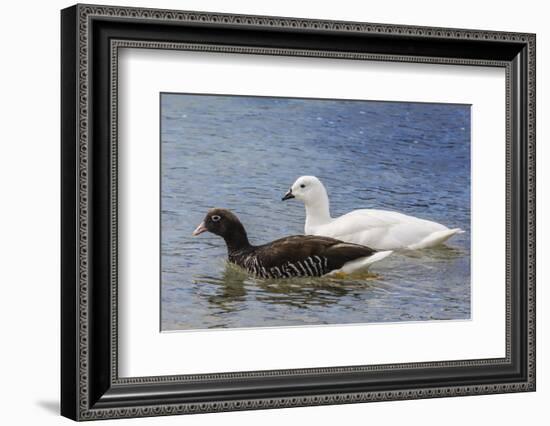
point(294, 256)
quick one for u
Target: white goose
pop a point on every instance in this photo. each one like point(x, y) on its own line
point(378, 229)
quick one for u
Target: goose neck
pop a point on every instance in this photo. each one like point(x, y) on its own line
point(236, 240)
point(318, 212)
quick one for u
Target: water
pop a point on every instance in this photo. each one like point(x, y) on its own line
point(243, 153)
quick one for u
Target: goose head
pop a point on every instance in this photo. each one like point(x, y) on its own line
point(308, 189)
point(225, 224)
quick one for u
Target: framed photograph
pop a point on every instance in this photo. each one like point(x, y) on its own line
point(263, 212)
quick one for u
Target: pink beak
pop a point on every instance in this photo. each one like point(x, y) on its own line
point(200, 229)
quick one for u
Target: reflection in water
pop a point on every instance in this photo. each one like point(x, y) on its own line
point(301, 293)
point(232, 289)
point(296, 292)
point(443, 252)
point(413, 158)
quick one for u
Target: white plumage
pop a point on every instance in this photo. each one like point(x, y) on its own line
point(378, 229)
point(360, 264)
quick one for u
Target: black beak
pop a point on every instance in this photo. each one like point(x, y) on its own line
point(288, 195)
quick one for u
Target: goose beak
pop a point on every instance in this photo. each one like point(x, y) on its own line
point(200, 229)
point(288, 195)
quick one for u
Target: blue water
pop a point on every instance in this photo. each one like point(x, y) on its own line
point(243, 153)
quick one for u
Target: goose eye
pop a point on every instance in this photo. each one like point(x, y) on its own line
point(216, 218)
point(302, 185)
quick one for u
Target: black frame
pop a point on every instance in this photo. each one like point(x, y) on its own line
point(90, 386)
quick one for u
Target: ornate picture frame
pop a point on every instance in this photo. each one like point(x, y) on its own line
point(91, 37)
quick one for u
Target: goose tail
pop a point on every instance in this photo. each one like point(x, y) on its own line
point(362, 263)
point(379, 255)
point(436, 238)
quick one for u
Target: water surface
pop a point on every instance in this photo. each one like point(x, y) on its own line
point(243, 153)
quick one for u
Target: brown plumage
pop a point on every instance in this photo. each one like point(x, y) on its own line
point(293, 256)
